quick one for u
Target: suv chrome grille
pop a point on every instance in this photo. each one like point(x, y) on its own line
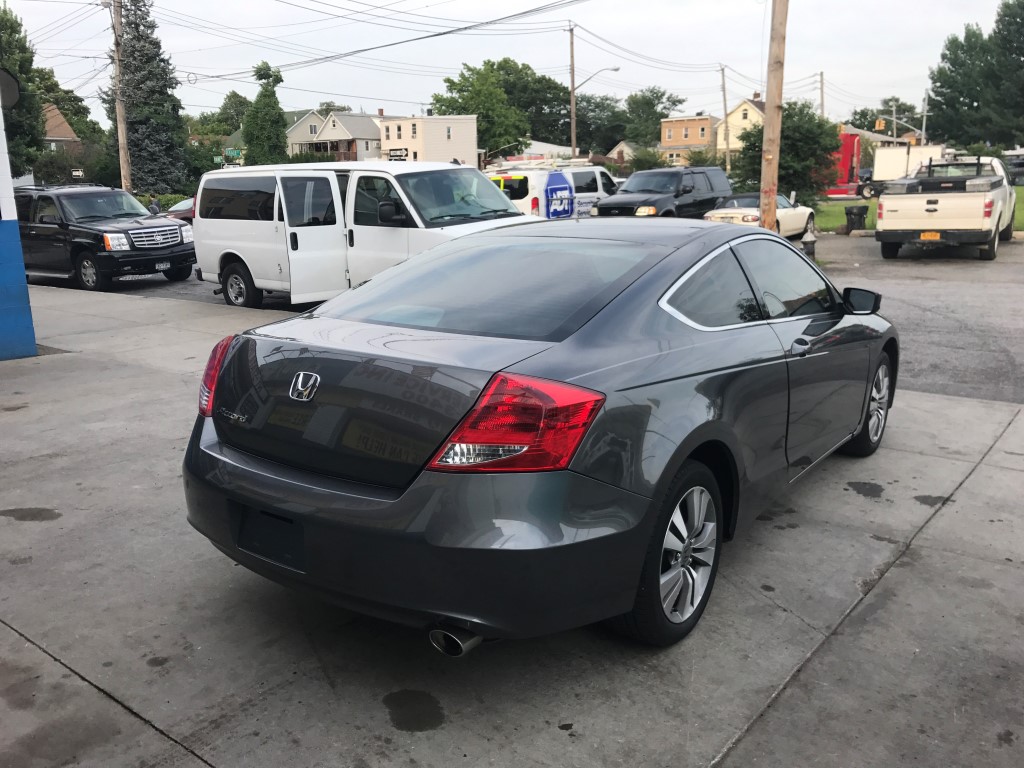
point(617, 211)
point(156, 238)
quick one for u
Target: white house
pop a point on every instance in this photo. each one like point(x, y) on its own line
point(440, 138)
point(746, 114)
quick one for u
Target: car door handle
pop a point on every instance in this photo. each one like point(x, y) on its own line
point(799, 347)
point(294, 238)
point(351, 238)
point(32, 232)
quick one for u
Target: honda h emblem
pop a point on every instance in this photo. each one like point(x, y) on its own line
point(304, 386)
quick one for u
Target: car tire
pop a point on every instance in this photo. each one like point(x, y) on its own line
point(871, 432)
point(239, 289)
point(988, 253)
point(1007, 234)
point(867, 192)
point(890, 250)
point(669, 214)
point(88, 275)
point(679, 569)
point(809, 225)
point(177, 274)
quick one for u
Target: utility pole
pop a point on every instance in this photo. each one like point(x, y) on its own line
point(894, 118)
point(122, 121)
point(924, 120)
point(821, 84)
point(572, 89)
point(772, 136)
point(725, 122)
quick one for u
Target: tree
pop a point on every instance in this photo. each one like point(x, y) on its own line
point(645, 110)
point(263, 129)
point(326, 107)
point(199, 158)
point(232, 110)
point(543, 100)
point(24, 121)
point(156, 129)
point(645, 159)
point(704, 158)
point(963, 98)
point(477, 91)
point(1007, 44)
point(600, 122)
point(806, 162)
point(53, 168)
point(70, 104)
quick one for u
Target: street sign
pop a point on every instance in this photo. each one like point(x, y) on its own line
point(232, 153)
point(77, 173)
point(218, 158)
point(398, 154)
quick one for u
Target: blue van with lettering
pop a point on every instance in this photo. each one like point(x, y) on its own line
point(538, 191)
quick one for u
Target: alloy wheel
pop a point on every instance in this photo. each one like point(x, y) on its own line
point(878, 409)
point(236, 289)
point(688, 554)
point(88, 272)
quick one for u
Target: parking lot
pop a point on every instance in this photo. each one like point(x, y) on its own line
point(871, 616)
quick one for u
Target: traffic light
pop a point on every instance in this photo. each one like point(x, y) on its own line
point(879, 124)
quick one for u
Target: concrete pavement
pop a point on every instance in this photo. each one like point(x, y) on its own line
point(871, 616)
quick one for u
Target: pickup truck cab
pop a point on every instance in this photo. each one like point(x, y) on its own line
point(962, 201)
point(95, 234)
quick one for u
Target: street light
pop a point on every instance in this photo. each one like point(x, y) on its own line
point(572, 101)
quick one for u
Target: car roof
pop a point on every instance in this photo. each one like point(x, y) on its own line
point(69, 189)
point(670, 232)
point(394, 167)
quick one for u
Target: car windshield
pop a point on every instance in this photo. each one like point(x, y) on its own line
point(740, 202)
point(652, 181)
point(108, 204)
point(184, 205)
point(458, 195)
point(541, 288)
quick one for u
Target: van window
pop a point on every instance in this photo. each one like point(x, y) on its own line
point(308, 201)
point(370, 191)
point(608, 183)
point(249, 198)
point(518, 187)
point(584, 181)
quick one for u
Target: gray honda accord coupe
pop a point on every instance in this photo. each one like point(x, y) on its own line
point(537, 427)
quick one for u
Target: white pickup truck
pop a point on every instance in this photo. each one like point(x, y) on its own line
point(961, 201)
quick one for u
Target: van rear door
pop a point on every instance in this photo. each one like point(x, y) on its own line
point(315, 226)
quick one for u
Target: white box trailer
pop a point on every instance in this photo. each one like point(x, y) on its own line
point(896, 162)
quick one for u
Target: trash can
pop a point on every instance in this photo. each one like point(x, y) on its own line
point(856, 217)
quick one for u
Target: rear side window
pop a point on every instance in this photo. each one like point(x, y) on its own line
point(789, 285)
point(308, 201)
point(717, 294)
point(584, 181)
point(515, 287)
point(719, 181)
point(518, 187)
point(700, 183)
point(23, 204)
point(248, 198)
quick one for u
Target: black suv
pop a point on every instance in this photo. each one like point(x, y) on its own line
point(685, 192)
point(95, 234)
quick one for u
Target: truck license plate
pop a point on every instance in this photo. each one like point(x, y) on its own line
point(162, 265)
point(930, 236)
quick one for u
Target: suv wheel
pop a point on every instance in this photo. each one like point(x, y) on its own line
point(88, 274)
point(239, 289)
point(177, 274)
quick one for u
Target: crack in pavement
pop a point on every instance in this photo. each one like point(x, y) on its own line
point(743, 584)
point(877, 579)
point(107, 694)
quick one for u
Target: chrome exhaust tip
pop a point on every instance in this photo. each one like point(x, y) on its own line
point(453, 641)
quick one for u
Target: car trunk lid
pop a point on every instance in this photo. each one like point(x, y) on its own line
point(383, 403)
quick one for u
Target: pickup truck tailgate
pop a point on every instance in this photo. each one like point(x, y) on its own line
point(960, 211)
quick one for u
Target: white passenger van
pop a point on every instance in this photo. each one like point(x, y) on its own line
point(314, 230)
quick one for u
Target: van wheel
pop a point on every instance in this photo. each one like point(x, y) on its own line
point(239, 289)
point(88, 275)
point(988, 253)
point(177, 274)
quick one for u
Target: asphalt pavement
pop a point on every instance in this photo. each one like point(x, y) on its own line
point(871, 616)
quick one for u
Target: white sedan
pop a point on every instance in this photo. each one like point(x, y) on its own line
point(791, 220)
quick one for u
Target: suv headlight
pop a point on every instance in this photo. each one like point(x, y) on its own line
point(646, 210)
point(186, 234)
point(114, 241)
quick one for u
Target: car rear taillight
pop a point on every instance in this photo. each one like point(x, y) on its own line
point(520, 424)
point(210, 375)
point(881, 211)
point(989, 205)
point(535, 206)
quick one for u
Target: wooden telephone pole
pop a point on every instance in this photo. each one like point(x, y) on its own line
point(773, 114)
point(122, 121)
point(572, 88)
point(725, 122)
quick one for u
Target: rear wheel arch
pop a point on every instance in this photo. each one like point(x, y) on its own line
point(892, 348)
point(713, 446)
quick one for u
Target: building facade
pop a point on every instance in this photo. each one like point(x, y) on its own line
point(440, 138)
point(682, 135)
point(746, 114)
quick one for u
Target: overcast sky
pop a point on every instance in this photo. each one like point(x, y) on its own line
point(868, 49)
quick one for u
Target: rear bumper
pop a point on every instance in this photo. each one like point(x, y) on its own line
point(946, 237)
point(119, 263)
point(504, 555)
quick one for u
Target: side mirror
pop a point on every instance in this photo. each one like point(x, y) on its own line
point(47, 218)
point(792, 198)
point(387, 213)
point(861, 301)
point(684, 190)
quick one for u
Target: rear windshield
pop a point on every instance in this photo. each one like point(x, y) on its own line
point(518, 187)
point(740, 202)
point(954, 171)
point(515, 287)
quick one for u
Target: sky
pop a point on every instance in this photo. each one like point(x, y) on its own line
point(867, 49)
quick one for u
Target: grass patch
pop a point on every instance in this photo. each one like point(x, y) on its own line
point(832, 215)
